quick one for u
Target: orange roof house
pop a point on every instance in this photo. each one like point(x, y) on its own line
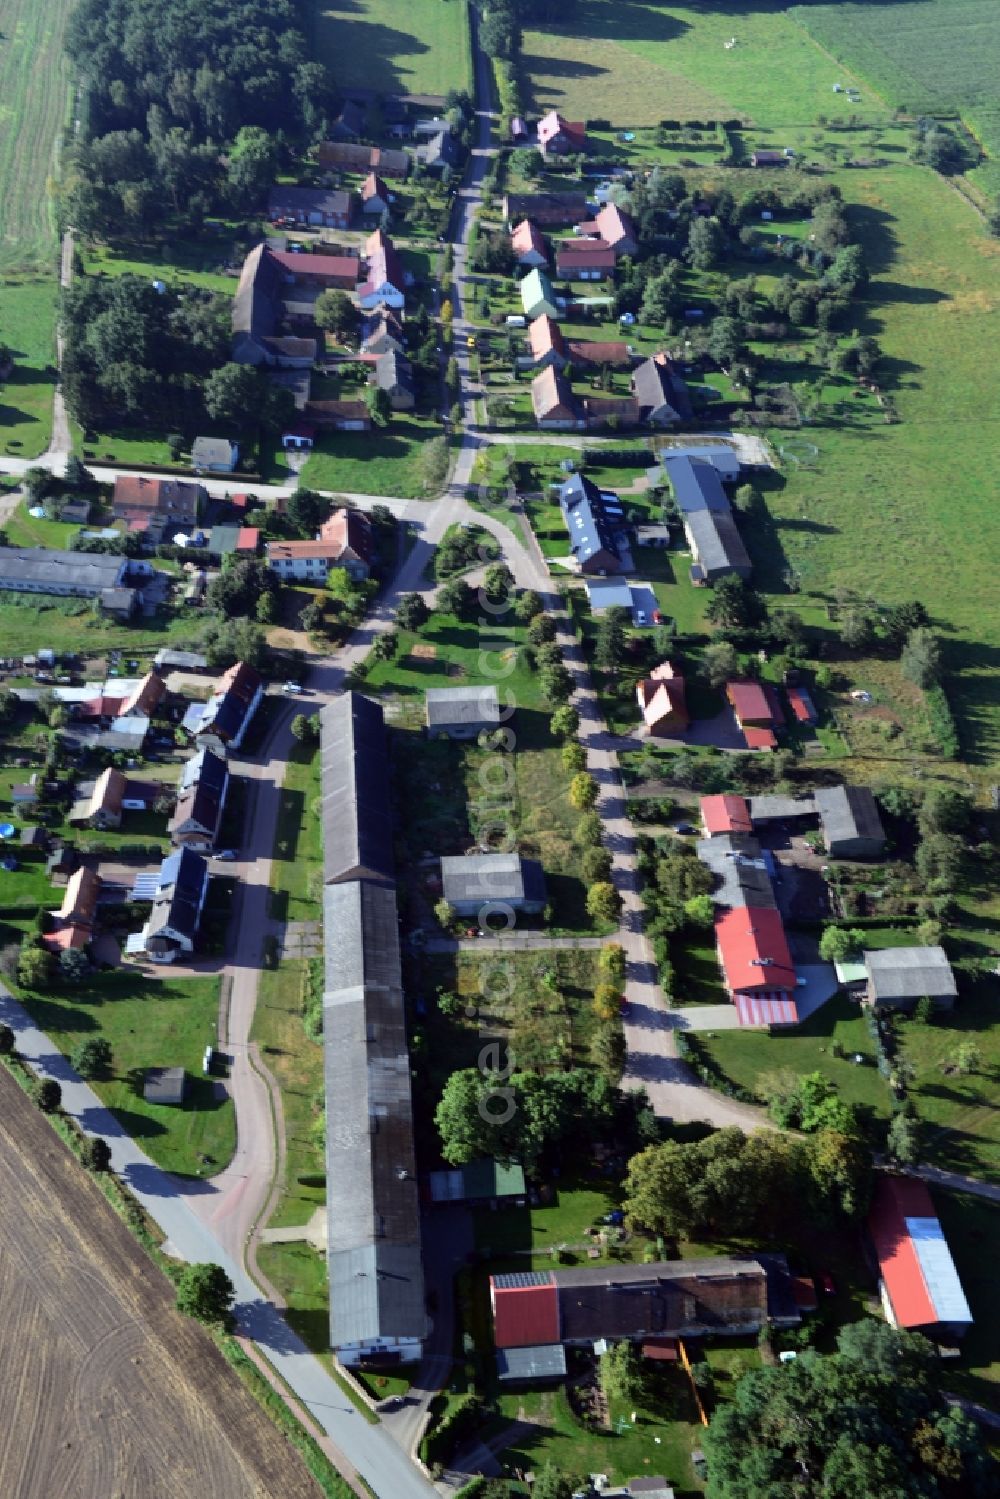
point(528, 244)
point(662, 701)
point(546, 342)
point(725, 814)
point(755, 714)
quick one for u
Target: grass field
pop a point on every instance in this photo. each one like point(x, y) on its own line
point(71, 625)
point(297, 1064)
point(419, 48)
point(150, 1023)
point(924, 56)
point(636, 64)
point(297, 848)
point(34, 87)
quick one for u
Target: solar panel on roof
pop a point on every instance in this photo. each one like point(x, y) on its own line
point(938, 1270)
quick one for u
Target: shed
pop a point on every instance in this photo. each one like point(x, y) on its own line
point(214, 455)
point(473, 883)
point(462, 712)
point(542, 1361)
point(900, 976)
point(164, 1085)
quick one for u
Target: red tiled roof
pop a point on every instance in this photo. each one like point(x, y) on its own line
point(766, 1009)
point(248, 540)
point(66, 937)
point(586, 351)
point(760, 739)
point(524, 1315)
point(545, 334)
point(801, 704)
point(749, 702)
point(526, 237)
point(896, 1199)
point(341, 267)
point(725, 814)
point(289, 550)
point(584, 254)
point(754, 951)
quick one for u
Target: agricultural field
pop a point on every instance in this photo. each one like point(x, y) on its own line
point(636, 64)
point(923, 56)
point(420, 48)
point(103, 1357)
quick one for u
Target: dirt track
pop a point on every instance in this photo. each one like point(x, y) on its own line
point(107, 1392)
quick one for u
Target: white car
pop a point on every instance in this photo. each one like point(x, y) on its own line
point(227, 855)
point(292, 687)
point(640, 616)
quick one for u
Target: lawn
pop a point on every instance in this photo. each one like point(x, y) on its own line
point(636, 64)
point(377, 462)
point(24, 530)
point(747, 1057)
point(961, 1113)
point(422, 48)
point(27, 623)
point(971, 1227)
point(181, 263)
point(35, 87)
point(298, 842)
point(28, 328)
point(150, 1023)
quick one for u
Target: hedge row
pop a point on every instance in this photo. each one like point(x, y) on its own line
point(445, 1439)
point(617, 457)
point(942, 720)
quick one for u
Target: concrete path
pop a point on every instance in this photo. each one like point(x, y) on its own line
point(515, 942)
point(955, 1182)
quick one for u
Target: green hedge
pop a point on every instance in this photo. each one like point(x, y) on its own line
point(943, 726)
point(618, 457)
point(445, 1439)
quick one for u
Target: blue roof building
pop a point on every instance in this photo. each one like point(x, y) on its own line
point(595, 521)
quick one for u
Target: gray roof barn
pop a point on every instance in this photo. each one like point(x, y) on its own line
point(899, 976)
point(465, 709)
point(474, 880)
point(164, 1085)
point(48, 570)
point(849, 818)
point(373, 1212)
point(716, 543)
point(695, 483)
point(356, 816)
point(320, 203)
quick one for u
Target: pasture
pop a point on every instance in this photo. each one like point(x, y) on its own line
point(120, 1393)
point(924, 56)
point(637, 63)
point(421, 47)
point(28, 328)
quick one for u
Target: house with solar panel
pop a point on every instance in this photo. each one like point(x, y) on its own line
point(595, 520)
point(221, 724)
point(538, 1314)
point(178, 900)
point(378, 1316)
point(201, 801)
point(917, 1280)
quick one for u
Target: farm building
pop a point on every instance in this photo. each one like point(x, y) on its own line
point(473, 883)
point(548, 210)
point(594, 354)
point(461, 712)
point(757, 967)
point(584, 260)
point(848, 816)
point(164, 1085)
point(528, 245)
point(346, 157)
point(917, 1279)
point(354, 779)
point(725, 814)
point(70, 574)
point(482, 1183)
point(768, 159)
point(754, 714)
point(326, 208)
point(899, 977)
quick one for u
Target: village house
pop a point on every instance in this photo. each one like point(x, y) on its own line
point(560, 137)
point(375, 198)
point(439, 151)
point(461, 712)
point(171, 929)
point(528, 245)
point(537, 297)
point(350, 123)
point(301, 561)
point(725, 813)
point(214, 455)
point(337, 416)
point(319, 207)
point(319, 272)
point(899, 977)
point(222, 722)
point(394, 375)
point(351, 532)
point(595, 521)
point(584, 260)
point(918, 1283)
point(660, 392)
point(662, 701)
point(553, 402)
point(382, 333)
point(615, 227)
point(156, 507)
point(201, 800)
point(100, 804)
point(72, 925)
point(385, 281)
point(473, 884)
point(545, 340)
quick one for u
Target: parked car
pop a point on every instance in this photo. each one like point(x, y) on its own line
point(686, 827)
point(227, 855)
point(291, 687)
point(826, 1283)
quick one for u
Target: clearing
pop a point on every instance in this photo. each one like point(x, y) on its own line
point(121, 1394)
point(420, 48)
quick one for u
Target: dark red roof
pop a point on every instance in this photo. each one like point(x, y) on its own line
point(801, 704)
point(754, 951)
point(525, 1310)
point(749, 702)
point(725, 814)
point(342, 267)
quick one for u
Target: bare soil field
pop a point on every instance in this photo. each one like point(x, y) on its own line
point(108, 1391)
